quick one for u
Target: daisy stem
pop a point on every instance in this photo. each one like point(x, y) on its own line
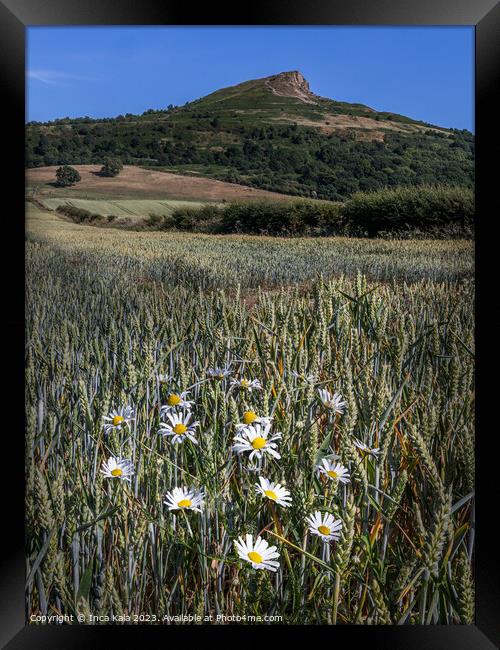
point(187, 522)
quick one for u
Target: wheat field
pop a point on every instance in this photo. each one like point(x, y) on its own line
point(131, 208)
point(121, 324)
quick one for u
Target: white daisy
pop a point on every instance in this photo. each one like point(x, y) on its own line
point(333, 470)
point(218, 373)
point(260, 555)
point(175, 401)
point(324, 525)
point(274, 492)
point(308, 379)
point(334, 402)
point(250, 417)
point(118, 468)
point(364, 449)
point(164, 379)
point(254, 439)
point(179, 426)
point(118, 419)
point(184, 499)
point(246, 384)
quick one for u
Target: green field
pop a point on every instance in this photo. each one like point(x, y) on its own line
point(119, 318)
point(131, 208)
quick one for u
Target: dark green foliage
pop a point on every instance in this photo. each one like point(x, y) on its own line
point(154, 220)
point(79, 215)
point(436, 211)
point(205, 219)
point(67, 175)
point(300, 218)
point(399, 209)
point(111, 167)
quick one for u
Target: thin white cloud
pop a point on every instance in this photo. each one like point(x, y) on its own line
point(54, 77)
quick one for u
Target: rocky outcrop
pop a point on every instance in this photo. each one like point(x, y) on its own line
point(291, 84)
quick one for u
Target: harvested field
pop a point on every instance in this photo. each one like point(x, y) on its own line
point(135, 182)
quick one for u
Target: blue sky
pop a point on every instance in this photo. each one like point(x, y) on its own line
point(424, 72)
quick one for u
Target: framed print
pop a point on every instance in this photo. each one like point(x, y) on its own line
point(242, 312)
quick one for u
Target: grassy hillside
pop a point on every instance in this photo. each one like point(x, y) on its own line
point(251, 134)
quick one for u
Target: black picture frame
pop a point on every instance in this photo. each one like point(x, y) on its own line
point(15, 16)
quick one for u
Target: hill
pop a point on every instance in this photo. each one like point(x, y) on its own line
point(274, 134)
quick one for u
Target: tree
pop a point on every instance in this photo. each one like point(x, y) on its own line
point(111, 167)
point(67, 175)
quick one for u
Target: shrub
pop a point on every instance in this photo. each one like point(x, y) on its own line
point(154, 220)
point(79, 215)
point(66, 176)
point(426, 208)
point(205, 219)
point(111, 167)
point(405, 212)
point(283, 218)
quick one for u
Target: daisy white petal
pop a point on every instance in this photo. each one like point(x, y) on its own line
point(324, 526)
point(334, 471)
point(250, 417)
point(120, 468)
point(273, 491)
point(246, 384)
point(333, 403)
point(218, 373)
point(257, 441)
point(364, 449)
point(176, 401)
point(259, 554)
point(118, 419)
point(185, 499)
point(179, 427)
point(308, 379)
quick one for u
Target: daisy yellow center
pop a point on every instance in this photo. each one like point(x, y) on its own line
point(324, 530)
point(244, 383)
point(332, 474)
point(259, 442)
point(255, 557)
point(185, 503)
point(270, 494)
point(117, 471)
point(118, 419)
point(249, 417)
point(174, 400)
point(180, 428)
